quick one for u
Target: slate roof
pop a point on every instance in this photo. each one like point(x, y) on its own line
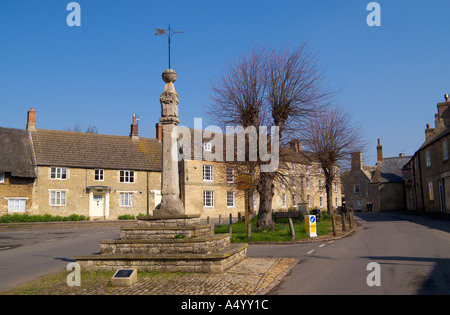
point(16, 155)
point(391, 169)
point(84, 150)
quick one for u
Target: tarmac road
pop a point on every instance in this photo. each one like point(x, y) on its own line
point(29, 254)
point(412, 252)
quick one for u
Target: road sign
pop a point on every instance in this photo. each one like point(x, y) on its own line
point(310, 225)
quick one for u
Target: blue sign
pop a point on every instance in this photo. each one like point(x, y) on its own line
point(312, 218)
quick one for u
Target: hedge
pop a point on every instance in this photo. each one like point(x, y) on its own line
point(17, 218)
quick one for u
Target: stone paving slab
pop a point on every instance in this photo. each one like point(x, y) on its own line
point(252, 276)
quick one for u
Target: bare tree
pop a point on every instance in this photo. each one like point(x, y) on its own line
point(331, 137)
point(277, 87)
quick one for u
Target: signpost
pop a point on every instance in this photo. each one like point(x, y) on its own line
point(310, 225)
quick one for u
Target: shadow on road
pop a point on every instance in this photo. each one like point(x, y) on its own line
point(437, 222)
point(436, 282)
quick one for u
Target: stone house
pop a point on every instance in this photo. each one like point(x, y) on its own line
point(17, 174)
point(382, 184)
point(100, 176)
point(427, 173)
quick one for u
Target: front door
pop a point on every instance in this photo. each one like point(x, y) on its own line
point(96, 208)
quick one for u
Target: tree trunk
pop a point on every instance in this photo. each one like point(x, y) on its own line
point(330, 210)
point(265, 189)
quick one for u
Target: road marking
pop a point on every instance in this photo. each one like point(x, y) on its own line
point(310, 252)
point(322, 245)
point(3, 248)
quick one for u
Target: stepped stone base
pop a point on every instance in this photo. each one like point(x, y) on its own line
point(151, 246)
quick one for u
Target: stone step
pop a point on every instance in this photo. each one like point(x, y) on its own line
point(216, 262)
point(199, 245)
point(165, 232)
point(169, 220)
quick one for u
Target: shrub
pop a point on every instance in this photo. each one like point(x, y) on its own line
point(126, 217)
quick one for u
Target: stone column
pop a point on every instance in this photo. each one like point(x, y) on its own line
point(170, 188)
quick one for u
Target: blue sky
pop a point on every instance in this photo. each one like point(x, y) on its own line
point(391, 77)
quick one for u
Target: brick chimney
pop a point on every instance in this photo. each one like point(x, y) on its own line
point(379, 151)
point(134, 134)
point(31, 119)
point(159, 131)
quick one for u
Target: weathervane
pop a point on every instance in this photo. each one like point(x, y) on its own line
point(169, 32)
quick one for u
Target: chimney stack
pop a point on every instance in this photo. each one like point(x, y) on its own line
point(31, 119)
point(159, 131)
point(357, 161)
point(134, 134)
point(379, 152)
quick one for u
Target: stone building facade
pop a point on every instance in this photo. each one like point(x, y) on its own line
point(99, 176)
point(427, 173)
point(380, 185)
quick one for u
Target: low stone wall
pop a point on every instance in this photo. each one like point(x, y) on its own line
point(169, 246)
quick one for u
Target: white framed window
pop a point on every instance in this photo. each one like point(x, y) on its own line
point(336, 201)
point(308, 200)
point(294, 200)
point(428, 158)
point(16, 204)
point(308, 183)
point(230, 175)
point(283, 200)
point(255, 199)
point(320, 185)
point(444, 150)
point(58, 173)
point(58, 198)
point(335, 186)
point(208, 173)
point(356, 189)
point(208, 198)
point(2, 178)
point(306, 169)
point(319, 169)
point(207, 146)
point(126, 176)
point(321, 201)
point(126, 199)
point(99, 175)
point(230, 199)
point(430, 190)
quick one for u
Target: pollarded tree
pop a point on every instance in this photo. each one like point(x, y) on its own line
point(331, 136)
point(271, 87)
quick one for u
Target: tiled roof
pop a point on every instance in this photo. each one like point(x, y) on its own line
point(85, 150)
point(16, 156)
